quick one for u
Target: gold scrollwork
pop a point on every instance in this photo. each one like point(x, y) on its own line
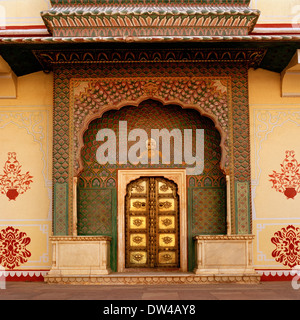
point(167, 240)
point(137, 222)
point(137, 187)
point(166, 257)
point(165, 205)
point(163, 188)
point(137, 239)
point(137, 257)
point(166, 222)
point(139, 204)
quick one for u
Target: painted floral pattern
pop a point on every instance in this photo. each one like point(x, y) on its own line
point(13, 251)
point(288, 180)
point(287, 242)
point(13, 182)
point(209, 94)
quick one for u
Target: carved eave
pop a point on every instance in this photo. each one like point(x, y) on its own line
point(136, 21)
point(249, 57)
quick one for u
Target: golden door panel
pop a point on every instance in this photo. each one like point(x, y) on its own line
point(138, 258)
point(167, 226)
point(166, 204)
point(167, 240)
point(138, 240)
point(163, 188)
point(152, 223)
point(137, 222)
point(167, 257)
point(139, 188)
point(166, 222)
point(138, 204)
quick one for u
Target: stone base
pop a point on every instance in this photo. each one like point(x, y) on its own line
point(154, 279)
point(81, 255)
point(85, 260)
point(225, 255)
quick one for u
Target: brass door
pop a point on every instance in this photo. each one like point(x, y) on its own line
point(152, 223)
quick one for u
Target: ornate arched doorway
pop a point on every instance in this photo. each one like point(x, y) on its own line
point(87, 204)
point(98, 191)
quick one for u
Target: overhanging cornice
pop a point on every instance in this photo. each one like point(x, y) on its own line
point(152, 39)
point(18, 52)
point(176, 32)
point(138, 21)
point(152, 18)
point(249, 57)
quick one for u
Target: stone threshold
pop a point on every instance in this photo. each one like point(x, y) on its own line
point(153, 278)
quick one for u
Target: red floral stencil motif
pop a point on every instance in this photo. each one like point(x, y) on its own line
point(287, 242)
point(12, 182)
point(13, 250)
point(288, 181)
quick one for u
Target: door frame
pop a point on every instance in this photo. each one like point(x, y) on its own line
point(176, 175)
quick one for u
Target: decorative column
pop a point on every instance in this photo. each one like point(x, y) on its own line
point(228, 202)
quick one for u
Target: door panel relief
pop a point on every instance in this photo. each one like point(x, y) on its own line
point(152, 223)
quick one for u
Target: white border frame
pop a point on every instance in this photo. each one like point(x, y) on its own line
point(176, 175)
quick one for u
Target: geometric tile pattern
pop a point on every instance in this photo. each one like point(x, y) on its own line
point(208, 211)
point(60, 223)
point(61, 177)
point(61, 128)
point(95, 211)
point(242, 206)
point(240, 123)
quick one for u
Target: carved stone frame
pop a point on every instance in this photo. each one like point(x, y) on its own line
point(176, 175)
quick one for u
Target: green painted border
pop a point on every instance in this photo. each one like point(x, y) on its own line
point(114, 240)
point(56, 214)
point(191, 245)
point(113, 234)
point(191, 242)
point(248, 206)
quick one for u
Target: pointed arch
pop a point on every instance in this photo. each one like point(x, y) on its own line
point(183, 92)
